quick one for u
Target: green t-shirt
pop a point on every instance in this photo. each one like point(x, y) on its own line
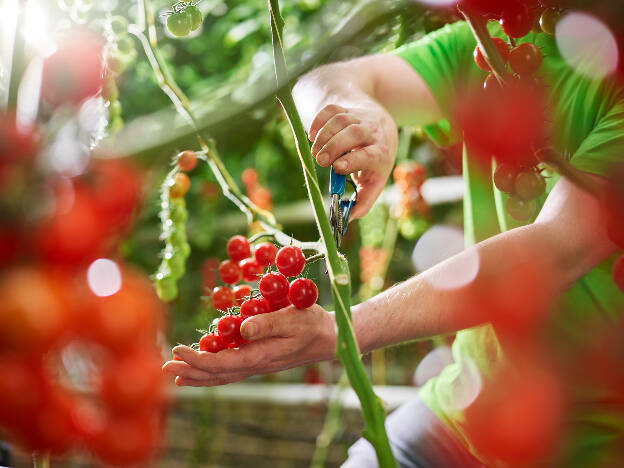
point(588, 128)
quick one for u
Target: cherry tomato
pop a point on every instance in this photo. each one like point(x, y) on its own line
point(229, 272)
point(134, 313)
point(180, 186)
point(209, 273)
point(52, 428)
point(238, 248)
point(530, 185)
point(519, 209)
point(187, 160)
point(241, 293)
point(179, 24)
point(254, 306)
point(290, 260)
point(35, 311)
point(196, 16)
point(74, 233)
point(17, 143)
point(251, 269)
point(491, 84)
point(116, 186)
point(503, 50)
point(489, 8)
point(549, 19)
point(11, 244)
point(222, 298)
point(22, 388)
point(132, 382)
point(126, 440)
point(265, 254)
point(212, 343)
point(229, 329)
point(303, 293)
point(505, 178)
point(279, 304)
point(525, 59)
point(618, 273)
point(274, 286)
point(249, 177)
point(517, 19)
point(74, 72)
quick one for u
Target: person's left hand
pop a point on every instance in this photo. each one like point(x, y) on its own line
point(279, 340)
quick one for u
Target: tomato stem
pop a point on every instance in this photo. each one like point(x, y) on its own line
point(41, 460)
point(347, 349)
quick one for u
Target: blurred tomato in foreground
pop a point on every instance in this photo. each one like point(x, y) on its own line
point(504, 123)
point(75, 71)
point(518, 418)
point(17, 143)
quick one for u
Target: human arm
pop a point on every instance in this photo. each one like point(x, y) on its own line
point(568, 238)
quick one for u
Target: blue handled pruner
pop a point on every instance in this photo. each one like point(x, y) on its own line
point(339, 209)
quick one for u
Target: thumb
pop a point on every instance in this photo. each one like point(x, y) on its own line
point(263, 326)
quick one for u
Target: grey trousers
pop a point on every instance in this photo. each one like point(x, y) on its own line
point(418, 439)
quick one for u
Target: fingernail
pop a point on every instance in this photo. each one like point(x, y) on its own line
point(248, 330)
point(322, 159)
point(340, 165)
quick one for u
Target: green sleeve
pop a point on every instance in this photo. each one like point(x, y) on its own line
point(604, 146)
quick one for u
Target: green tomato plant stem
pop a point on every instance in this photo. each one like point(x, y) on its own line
point(347, 349)
point(478, 25)
point(145, 23)
point(18, 57)
point(41, 460)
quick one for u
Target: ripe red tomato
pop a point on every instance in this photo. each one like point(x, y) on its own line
point(501, 46)
point(251, 269)
point(517, 19)
point(209, 273)
point(229, 330)
point(265, 254)
point(255, 306)
point(491, 84)
point(505, 178)
point(274, 286)
point(212, 343)
point(238, 248)
point(187, 160)
point(75, 71)
point(525, 59)
point(241, 292)
point(22, 388)
point(16, 142)
point(279, 304)
point(52, 428)
point(134, 313)
point(249, 177)
point(132, 382)
point(618, 273)
point(34, 311)
point(222, 298)
point(290, 260)
point(126, 440)
point(303, 293)
point(116, 187)
point(489, 8)
point(229, 272)
point(74, 233)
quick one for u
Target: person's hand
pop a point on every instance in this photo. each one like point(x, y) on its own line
point(279, 340)
point(358, 141)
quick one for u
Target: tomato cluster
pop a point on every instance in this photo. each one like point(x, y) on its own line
point(241, 302)
point(257, 193)
point(412, 211)
point(184, 18)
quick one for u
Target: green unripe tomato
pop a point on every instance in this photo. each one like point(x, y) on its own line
point(530, 185)
point(178, 212)
point(179, 24)
point(185, 250)
point(114, 110)
point(519, 209)
point(176, 265)
point(549, 20)
point(119, 25)
point(413, 227)
point(177, 238)
point(166, 288)
point(110, 92)
point(125, 45)
point(196, 17)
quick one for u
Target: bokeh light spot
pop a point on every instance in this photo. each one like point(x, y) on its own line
point(104, 277)
point(587, 44)
point(432, 364)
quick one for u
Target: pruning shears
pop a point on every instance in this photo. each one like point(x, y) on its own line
point(339, 209)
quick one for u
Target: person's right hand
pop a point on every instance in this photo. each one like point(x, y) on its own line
point(361, 141)
point(280, 340)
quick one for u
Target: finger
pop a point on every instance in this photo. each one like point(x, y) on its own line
point(334, 125)
point(322, 117)
point(244, 358)
point(353, 136)
point(185, 382)
point(367, 195)
point(182, 369)
point(362, 159)
point(277, 324)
